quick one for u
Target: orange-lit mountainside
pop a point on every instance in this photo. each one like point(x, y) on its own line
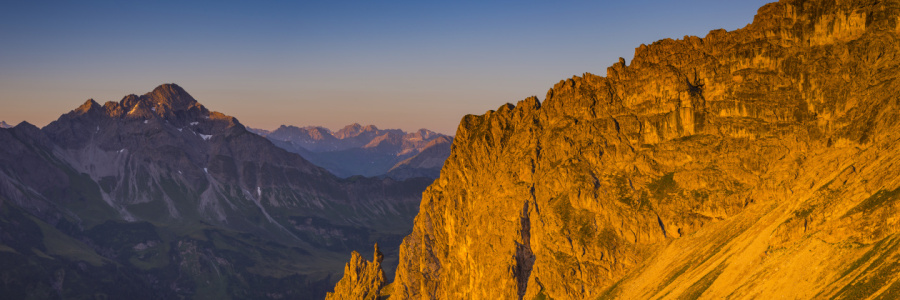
point(157, 197)
point(759, 163)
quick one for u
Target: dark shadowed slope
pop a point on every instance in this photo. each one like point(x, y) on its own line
point(165, 198)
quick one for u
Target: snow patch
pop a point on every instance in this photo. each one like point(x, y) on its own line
point(179, 129)
point(258, 192)
point(145, 121)
point(194, 123)
point(206, 170)
point(206, 137)
point(179, 172)
point(121, 150)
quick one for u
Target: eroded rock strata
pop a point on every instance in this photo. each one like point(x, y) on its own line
point(755, 163)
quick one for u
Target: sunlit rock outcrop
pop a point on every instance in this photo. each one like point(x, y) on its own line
point(757, 163)
point(362, 279)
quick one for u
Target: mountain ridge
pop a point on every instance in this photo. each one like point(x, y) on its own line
point(365, 150)
point(181, 201)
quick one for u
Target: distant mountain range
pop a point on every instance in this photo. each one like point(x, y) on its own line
point(366, 150)
point(157, 197)
point(3, 124)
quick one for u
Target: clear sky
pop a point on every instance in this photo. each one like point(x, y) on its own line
point(394, 64)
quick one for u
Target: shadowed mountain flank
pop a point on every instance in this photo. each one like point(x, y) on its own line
point(155, 196)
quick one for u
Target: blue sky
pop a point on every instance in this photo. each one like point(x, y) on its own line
point(400, 64)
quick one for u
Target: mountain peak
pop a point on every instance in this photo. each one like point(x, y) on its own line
point(167, 102)
point(348, 131)
point(3, 124)
point(172, 95)
point(88, 106)
point(164, 101)
point(353, 130)
point(24, 125)
point(354, 127)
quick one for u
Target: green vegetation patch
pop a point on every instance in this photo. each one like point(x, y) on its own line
point(876, 275)
point(674, 275)
point(663, 186)
point(83, 197)
point(182, 197)
point(541, 296)
point(881, 198)
point(578, 222)
point(611, 292)
point(260, 256)
point(562, 208)
point(697, 289)
point(623, 190)
point(151, 210)
point(565, 259)
point(804, 212)
point(58, 243)
point(892, 293)
point(122, 236)
point(702, 196)
point(608, 238)
point(4, 248)
point(155, 258)
point(107, 183)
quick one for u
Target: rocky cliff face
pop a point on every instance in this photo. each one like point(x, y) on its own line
point(155, 196)
point(748, 164)
point(362, 279)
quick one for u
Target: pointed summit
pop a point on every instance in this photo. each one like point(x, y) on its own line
point(165, 101)
point(348, 131)
point(88, 106)
point(352, 127)
point(353, 130)
point(3, 124)
point(25, 124)
point(171, 95)
point(362, 279)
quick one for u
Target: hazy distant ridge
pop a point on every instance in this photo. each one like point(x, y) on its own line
point(366, 150)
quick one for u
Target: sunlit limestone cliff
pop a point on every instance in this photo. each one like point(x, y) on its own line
point(754, 164)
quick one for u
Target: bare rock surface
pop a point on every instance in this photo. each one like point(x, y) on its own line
point(754, 164)
point(362, 279)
